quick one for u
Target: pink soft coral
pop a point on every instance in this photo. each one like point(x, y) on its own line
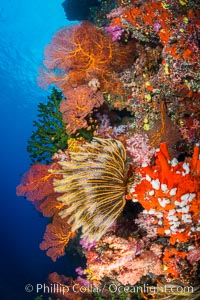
point(139, 149)
point(194, 255)
point(122, 259)
point(146, 263)
point(147, 222)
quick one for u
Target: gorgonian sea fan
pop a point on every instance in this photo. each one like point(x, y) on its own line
point(94, 185)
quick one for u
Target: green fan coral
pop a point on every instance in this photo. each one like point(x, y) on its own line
point(94, 185)
point(50, 133)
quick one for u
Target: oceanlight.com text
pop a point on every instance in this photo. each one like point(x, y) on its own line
point(113, 288)
point(56, 288)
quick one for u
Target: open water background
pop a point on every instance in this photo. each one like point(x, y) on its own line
point(26, 27)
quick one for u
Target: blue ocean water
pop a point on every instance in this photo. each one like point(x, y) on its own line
point(25, 28)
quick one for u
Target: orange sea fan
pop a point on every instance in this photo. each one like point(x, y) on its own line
point(37, 183)
point(50, 206)
point(37, 186)
point(81, 52)
point(56, 237)
point(78, 104)
point(68, 288)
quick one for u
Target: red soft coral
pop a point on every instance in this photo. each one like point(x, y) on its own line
point(170, 191)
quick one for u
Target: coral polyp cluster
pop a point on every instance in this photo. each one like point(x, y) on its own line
point(169, 191)
point(116, 155)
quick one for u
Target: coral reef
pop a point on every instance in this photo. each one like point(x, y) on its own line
point(78, 9)
point(121, 141)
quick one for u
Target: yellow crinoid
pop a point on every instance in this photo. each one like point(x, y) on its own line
point(94, 185)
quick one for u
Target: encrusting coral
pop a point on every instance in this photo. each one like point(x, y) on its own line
point(166, 65)
point(94, 185)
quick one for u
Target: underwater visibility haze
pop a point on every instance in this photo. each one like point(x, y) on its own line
point(26, 27)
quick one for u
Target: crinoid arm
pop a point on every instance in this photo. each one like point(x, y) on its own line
point(94, 186)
